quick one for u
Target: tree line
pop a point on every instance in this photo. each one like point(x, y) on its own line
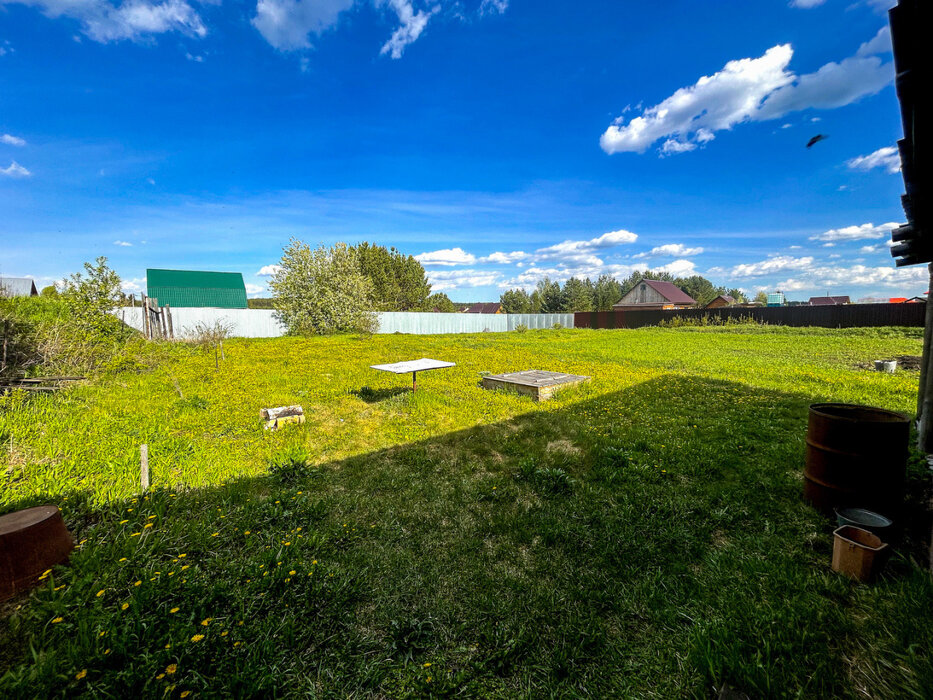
point(576, 294)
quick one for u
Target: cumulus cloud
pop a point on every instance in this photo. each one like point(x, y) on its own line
point(15, 170)
point(880, 43)
point(678, 268)
point(412, 24)
point(823, 277)
point(103, 21)
point(288, 24)
point(123, 244)
point(576, 250)
point(855, 233)
point(505, 258)
point(254, 290)
point(447, 257)
point(268, 270)
point(748, 89)
point(678, 250)
point(806, 4)
point(444, 280)
point(10, 140)
point(774, 265)
point(131, 286)
point(887, 158)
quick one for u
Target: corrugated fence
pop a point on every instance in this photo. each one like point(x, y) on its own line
point(262, 323)
point(842, 316)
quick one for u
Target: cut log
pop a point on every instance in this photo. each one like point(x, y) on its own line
point(31, 542)
point(276, 423)
point(281, 412)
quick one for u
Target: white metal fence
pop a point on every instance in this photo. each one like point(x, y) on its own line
point(262, 323)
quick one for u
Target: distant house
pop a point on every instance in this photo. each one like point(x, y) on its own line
point(828, 301)
point(492, 307)
point(192, 288)
point(652, 294)
point(776, 299)
point(916, 300)
point(17, 287)
point(721, 301)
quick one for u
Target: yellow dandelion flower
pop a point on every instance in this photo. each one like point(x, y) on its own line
point(225, 633)
point(185, 693)
point(184, 567)
point(237, 644)
point(101, 592)
point(288, 544)
point(197, 638)
point(427, 665)
point(160, 676)
point(122, 559)
point(174, 610)
point(246, 532)
point(171, 668)
point(124, 522)
point(206, 621)
point(103, 633)
point(106, 651)
point(57, 620)
point(135, 534)
point(147, 525)
point(138, 583)
point(291, 573)
point(182, 556)
point(81, 674)
point(168, 646)
point(150, 517)
point(124, 606)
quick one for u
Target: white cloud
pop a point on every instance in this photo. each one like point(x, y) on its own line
point(11, 140)
point(412, 24)
point(779, 263)
point(133, 285)
point(287, 24)
point(806, 4)
point(454, 279)
point(868, 249)
point(887, 158)
point(678, 268)
point(102, 21)
point(855, 233)
point(124, 244)
point(505, 258)
point(880, 43)
point(496, 7)
point(268, 270)
point(671, 249)
point(748, 89)
point(447, 257)
point(254, 290)
point(824, 277)
point(15, 170)
point(584, 249)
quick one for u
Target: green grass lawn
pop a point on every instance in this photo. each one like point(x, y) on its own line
point(640, 536)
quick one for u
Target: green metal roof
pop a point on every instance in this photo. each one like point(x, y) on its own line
point(180, 288)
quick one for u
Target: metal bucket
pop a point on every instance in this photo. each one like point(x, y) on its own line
point(856, 456)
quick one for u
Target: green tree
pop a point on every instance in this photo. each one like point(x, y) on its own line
point(50, 291)
point(576, 296)
point(516, 301)
point(700, 288)
point(550, 297)
point(91, 298)
point(441, 302)
point(738, 295)
point(399, 281)
point(606, 292)
point(322, 291)
point(762, 297)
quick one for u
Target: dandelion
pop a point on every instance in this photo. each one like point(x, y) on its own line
point(136, 534)
point(106, 651)
point(57, 620)
point(185, 693)
point(124, 522)
point(160, 676)
point(174, 610)
point(81, 674)
point(197, 638)
point(182, 556)
point(291, 573)
point(184, 567)
point(124, 606)
point(246, 532)
point(206, 621)
point(101, 592)
point(215, 534)
point(287, 544)
point(58, 588)
point(138, 583)
point(237, 644)
point(122, 559)
point(168, 646)
point(150, 517)
point(171, 668)
point(147, 525)
point(225, 633)
point(427, 665)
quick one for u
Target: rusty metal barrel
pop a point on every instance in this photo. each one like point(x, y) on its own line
point(856, 456)
point(31, 541)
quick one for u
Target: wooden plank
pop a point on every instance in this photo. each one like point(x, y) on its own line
point(144, 467)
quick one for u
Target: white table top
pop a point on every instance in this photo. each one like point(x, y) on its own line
point(413, 366)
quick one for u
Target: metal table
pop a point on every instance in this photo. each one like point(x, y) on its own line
point(413, 366)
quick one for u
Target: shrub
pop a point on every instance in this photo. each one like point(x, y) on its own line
point(521, 328)
point(557, 326)
point(289, 465)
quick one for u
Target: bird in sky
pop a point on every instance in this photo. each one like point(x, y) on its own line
point(816, 139)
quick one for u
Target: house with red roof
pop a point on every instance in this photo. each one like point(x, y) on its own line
point(653, 294)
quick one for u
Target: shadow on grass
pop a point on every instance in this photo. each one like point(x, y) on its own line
point(376, 395)
point(650, 541)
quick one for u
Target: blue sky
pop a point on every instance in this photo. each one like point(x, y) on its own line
point(498, 140)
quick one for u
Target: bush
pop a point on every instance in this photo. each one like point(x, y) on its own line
point(709, 320)
point(557, 326)
point(521, 328)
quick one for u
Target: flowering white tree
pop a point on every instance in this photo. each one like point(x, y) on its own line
point(322, 291)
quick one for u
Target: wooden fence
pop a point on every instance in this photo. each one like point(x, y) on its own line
point(842, 316)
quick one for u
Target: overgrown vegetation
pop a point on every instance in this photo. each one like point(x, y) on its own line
point(642, 535)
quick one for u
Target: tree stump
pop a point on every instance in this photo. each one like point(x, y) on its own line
point(31, 541)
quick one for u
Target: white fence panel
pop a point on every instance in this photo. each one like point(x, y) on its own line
point(261, 323)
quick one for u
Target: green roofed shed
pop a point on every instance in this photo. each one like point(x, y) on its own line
point(180, 288)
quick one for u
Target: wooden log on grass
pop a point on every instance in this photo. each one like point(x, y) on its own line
point(275, 417)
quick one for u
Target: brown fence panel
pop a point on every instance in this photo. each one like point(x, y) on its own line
point(842, 316)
